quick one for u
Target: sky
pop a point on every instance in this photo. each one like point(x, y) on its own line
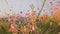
point(14, 6)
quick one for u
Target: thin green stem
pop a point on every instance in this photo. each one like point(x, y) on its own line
point(41, 8)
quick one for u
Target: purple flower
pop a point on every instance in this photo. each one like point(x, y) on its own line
point(58, 1)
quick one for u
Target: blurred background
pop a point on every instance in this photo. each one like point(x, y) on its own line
point(14, 6)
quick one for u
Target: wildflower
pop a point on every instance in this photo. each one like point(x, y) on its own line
point(20, 12)
point(27, 14)
point(9, 19)
point(56, 8)
point(12, 28)
point(58, 1)
point(31, 30)
point(28, 25)
point(56, 15)
point(50, 2)
point(16, 16)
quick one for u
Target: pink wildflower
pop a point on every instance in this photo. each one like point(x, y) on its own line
point(27, 14)
point(28, 25)
point(58, 1)
point(9, 19)
point(56, 8)
point(20, 12)
point(33, 20)
point(13, 28)
point(50, 2)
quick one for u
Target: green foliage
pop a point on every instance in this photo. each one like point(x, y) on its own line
point(4, 31)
